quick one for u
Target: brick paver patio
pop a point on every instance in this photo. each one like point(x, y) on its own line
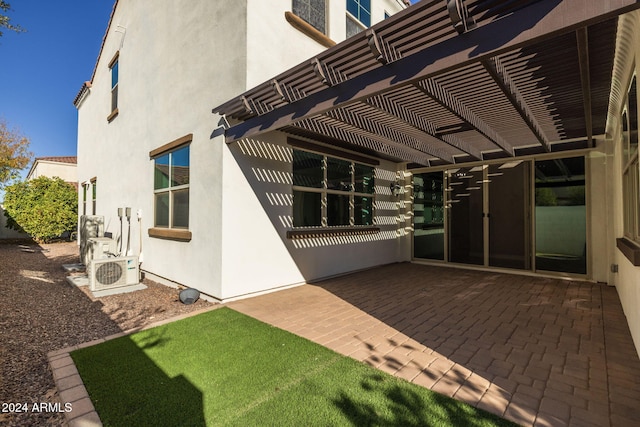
point(537, 351)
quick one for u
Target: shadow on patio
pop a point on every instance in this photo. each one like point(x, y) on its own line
point(534, 350)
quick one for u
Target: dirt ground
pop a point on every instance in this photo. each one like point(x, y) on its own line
point(41, 312)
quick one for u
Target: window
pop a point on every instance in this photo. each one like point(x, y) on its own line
point(171, 189)
point(428, 215)
point(84, 199)
point(360, 10)
point(312, 11)
point(113, 67)
point(331, 192)
point(114, 86)
point(89, 187)
point(94, 190)
point(631, 167)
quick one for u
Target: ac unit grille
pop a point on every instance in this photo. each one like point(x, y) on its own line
point(109, 273)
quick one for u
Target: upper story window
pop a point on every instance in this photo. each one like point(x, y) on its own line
point(312, 11)
point(113, 68)
point(361, 10)
point(358, 17)
point(329, 191)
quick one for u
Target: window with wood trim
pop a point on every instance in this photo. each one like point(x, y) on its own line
point(331, 192)
point(358, 16)
point(89, 195)
point(113, 68)
point(171, 188)
point(631, 166)
point(84, 199)
point(313, 12)
point(94, 195)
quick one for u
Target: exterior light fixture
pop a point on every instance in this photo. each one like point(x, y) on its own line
point(395, 188)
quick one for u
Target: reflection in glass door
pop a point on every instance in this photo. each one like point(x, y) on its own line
point(508, 215)
point(466, 218)
point(561, 242)
point(483, 215)
point(428, 219)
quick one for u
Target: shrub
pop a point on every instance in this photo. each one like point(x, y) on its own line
point(546, 197)
point(43, 207)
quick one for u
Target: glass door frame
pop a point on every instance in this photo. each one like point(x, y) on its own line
point(531, 214)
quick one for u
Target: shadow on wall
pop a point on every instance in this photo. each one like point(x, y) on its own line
point(272, 186)
point(8, 233)
point(267, 168)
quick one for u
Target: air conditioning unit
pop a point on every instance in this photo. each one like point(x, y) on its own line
point(111, 273)
point(100, 247)
point(90, 226)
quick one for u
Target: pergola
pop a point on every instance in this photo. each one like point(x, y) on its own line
point(450, 81)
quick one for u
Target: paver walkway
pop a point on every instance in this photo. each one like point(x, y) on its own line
point(537, 351)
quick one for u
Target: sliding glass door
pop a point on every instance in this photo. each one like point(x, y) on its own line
point(508, 215)
point(489, 215)
point(483, 215)
point(561, 215)
point(428, 215)
point(466, 215)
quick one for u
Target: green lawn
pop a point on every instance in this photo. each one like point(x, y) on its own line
point(225, 368)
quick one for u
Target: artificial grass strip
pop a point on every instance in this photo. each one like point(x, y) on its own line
point(225, 368)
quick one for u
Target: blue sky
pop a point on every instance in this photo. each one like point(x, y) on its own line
point(44, 67)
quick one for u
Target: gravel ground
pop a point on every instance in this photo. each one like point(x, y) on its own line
point(41, 312)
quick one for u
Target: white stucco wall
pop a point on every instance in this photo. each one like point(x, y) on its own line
point(65, 171)
point(628, 277)
point(598, 214)
point(273, 45)
point(257, 212)
point(8, 233)
point(177, 60)
point(257, 179)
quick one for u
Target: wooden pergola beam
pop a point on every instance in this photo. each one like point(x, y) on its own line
point(582, 38)
point(501, 77)
point(536, 22)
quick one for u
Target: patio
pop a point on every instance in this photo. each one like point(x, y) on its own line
point(537, 351)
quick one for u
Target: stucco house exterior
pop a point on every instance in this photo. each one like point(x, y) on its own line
point(63, 167)
point(263, 148)
point(153, 89)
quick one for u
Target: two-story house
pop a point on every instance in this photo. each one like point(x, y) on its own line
point(145, 141)
point(261, 154)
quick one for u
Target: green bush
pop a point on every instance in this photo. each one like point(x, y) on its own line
point(43, 207)
point(546, 197)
